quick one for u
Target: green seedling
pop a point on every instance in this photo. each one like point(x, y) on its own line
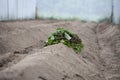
point(67, 38)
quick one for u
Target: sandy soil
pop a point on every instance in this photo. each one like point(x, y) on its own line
point(100, 58)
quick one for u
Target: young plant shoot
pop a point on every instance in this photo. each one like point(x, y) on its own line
point(67, 38)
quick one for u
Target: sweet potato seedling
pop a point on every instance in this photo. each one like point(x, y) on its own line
point(67, 38)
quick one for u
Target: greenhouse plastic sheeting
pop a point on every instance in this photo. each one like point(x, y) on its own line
point(17, 9)
point(95, 10)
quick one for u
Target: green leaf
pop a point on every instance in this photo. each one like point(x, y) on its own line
point(52, 37)
point(67, 38)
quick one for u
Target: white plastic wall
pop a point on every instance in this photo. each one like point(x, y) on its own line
point(4, 9)
point(116, 14)
point(88, 10)
point(26, 9)
point(17, 9)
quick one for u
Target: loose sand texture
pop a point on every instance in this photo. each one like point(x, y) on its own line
point(24, 57)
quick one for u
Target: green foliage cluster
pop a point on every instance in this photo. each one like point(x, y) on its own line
point(67, 38)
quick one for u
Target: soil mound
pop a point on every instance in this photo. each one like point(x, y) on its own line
point(21, 56)
point(55, 62)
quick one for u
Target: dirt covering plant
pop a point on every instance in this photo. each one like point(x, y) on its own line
point(67, 38)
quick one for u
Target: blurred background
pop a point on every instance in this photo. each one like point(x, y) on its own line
point(86, 10)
